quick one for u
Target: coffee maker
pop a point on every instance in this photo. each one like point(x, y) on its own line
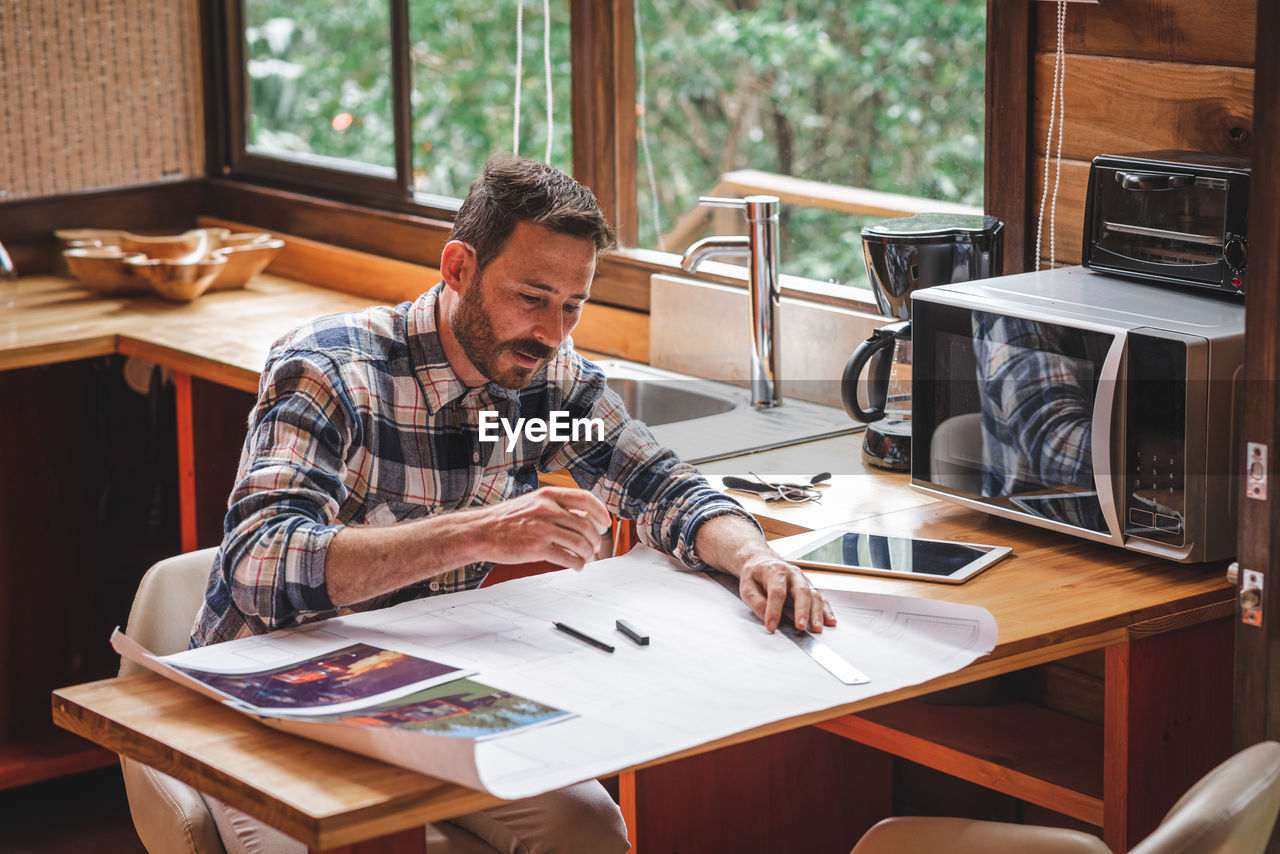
point(904, 255)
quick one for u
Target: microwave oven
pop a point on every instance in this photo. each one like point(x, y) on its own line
point(1082, 403)
point(1174, 217)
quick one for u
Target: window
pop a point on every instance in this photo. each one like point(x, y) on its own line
point(318, 86)
point(463, 99)
point(821, 102)
point(741, 96)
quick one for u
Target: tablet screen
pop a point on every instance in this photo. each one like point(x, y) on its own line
point(896, 554)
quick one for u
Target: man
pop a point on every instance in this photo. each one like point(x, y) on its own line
point(366, 479)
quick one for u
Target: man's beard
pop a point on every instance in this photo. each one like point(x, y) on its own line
point(474, 332)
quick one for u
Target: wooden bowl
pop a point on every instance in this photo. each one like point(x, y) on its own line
point(175, 279)
point(190, 246)
point(245, 260)
point(242, 238)
point(104, 269)
point(73, 237)
point(233, 258)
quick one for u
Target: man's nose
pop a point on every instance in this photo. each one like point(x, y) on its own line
point(550, 329)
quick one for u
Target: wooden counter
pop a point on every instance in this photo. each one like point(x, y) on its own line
point(222, 337)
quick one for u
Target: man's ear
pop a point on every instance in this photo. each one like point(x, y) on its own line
point(457, 265)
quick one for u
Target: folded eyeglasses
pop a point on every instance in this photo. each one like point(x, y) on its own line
point(795, 493)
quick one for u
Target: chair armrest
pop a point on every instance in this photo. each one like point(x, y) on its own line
point(921, 835)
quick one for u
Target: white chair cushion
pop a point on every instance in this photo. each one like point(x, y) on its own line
point(170, 816)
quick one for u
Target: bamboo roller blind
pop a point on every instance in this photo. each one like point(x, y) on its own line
point(97, 94)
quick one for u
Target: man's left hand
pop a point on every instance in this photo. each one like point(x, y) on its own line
point(770, 586)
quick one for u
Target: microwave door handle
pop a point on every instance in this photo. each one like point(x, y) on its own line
point(1143, 181)
point(1106, 480)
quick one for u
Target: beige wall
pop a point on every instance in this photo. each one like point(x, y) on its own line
point(97, 94)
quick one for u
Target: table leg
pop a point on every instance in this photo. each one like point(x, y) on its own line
point(1167, 723)
point(186, 461)
point(210, 422)
point(627, 803)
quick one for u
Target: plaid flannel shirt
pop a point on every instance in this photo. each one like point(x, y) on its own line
point(361, 421)
point(1037, 406)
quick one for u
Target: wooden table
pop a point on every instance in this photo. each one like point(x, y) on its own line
point(1053, 598)
point(1167, 650)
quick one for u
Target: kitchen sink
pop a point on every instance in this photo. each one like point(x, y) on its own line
point(656, 402)
point(703, 420)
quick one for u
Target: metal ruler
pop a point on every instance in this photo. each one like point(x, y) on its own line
point(820, 652)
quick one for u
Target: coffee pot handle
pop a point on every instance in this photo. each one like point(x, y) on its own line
point(878, 386)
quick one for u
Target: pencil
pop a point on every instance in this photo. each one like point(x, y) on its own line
point(570, 630)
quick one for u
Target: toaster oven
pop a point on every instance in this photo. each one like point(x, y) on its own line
point(1172, 217)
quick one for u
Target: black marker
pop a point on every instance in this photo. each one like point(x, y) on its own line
point(570, 630)
point(633, 633)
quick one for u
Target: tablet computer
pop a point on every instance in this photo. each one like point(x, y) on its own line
point(899, 557)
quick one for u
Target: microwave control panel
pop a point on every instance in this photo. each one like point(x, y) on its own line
point(1155, 463)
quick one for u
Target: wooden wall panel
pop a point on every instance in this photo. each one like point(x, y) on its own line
point(1115, 106)
point(1139, 76)
point(1069, 220)
point(1217, 33)
point(804, 790)
point(615, 331)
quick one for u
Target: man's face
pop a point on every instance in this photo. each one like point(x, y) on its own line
point(513, 317)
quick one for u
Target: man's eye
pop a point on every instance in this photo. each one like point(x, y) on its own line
point(572, 308)
point(531, 300)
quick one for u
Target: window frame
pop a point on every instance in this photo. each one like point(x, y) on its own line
point(311, 173)
point(603, 86)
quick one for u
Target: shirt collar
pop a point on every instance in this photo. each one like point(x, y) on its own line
point(441, 386)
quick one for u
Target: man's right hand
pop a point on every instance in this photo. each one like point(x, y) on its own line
point(556, 524)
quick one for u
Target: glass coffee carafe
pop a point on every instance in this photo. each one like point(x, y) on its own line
point(904, 255)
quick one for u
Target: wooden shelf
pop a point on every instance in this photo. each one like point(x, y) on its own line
point(1027, 751)
point(55, 755)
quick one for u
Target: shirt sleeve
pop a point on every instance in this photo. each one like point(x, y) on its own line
point(280, 517)
point(631, 472)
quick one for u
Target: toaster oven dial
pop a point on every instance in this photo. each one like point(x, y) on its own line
point(1235, 252)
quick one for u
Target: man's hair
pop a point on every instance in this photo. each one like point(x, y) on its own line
point(512, 190)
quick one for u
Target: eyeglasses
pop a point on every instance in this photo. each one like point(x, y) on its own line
point(794, 493)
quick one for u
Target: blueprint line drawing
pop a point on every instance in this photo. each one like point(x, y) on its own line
point(711, 669)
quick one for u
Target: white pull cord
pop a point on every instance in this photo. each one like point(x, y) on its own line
point(642, 126)
point(515, 130)
point(546, 66)
point(1057, 112)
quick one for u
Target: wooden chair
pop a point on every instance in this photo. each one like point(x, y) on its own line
point(170, 816)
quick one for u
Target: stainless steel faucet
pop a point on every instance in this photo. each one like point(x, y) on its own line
point(760, 246)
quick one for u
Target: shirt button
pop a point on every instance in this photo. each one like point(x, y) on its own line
point(435, 585)
point(475, 456)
